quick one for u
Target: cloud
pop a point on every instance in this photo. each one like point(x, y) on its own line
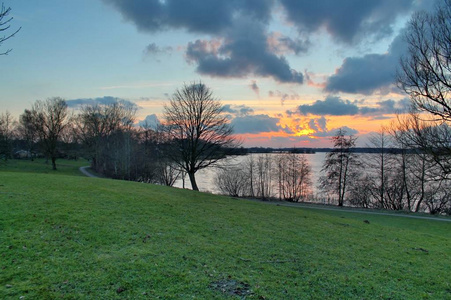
point(238, 25)
point(347, 21)
point(281, 44)
point(243, 51)
point(284, 96)
point(256, 124)
point(153, 49)
point(237, 110)
point(255, 87)
point(333, 106)
point(106, 100)
point(368, 73)
point(150, 121)
point(201, 16)
point(319, 124)
point(387, 107)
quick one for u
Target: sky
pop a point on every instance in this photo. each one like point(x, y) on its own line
point(288, 72)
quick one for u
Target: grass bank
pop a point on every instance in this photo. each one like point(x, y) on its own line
point(74, 237)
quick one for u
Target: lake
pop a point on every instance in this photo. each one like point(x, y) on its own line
point(206, 178)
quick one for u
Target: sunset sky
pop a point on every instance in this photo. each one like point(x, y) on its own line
point(289, 72)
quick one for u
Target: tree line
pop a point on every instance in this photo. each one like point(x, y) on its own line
point(195, 135)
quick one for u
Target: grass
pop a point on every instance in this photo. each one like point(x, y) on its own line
point(43, 166)
point(73, 237)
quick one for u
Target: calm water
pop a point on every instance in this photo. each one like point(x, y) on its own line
point(205, 178)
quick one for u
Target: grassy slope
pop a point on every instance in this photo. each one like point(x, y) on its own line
point(76, 237)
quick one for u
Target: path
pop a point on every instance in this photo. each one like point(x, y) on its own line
point(352, 210)
point(85, 172)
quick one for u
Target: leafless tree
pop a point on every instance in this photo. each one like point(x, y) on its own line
point(294, 176)
point(7, 125)
point(232, 181)
point(49, 119)
point(340, 167)
point(424, 176)
point(27, 132)
point(425, 75)
point(197, 129)
point(381, 167)
point(5, 25)
point(425, 71)
point(95, 126)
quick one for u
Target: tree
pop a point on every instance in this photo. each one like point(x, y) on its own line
point(95, 126)
point(380, 165)
point(426, 69)
point(198, 131)
point(28, 132)
point(294, 176)
point(7, 125)
point(425, 75)
point(4, 26)
point(49, 119)
point(232, 181)
point(340, 167)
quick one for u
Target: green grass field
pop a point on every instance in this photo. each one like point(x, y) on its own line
point(72, 237)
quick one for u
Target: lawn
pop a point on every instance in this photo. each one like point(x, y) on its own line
point(73, 237)
point(43, 166)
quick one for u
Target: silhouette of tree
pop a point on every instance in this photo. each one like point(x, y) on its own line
point(198, 131)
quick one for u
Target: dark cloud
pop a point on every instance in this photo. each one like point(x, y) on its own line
point(281, 44)
point(256, 124)
point(319, 124)
point(106, 100)
point(347, 20)
point(150, 121)
point(387, 107)
point(255, 87)
point(333, 132)
point(237, 110)
point(243, 51)
point(200, 16)
point(284, 96)
point(369, 73)
point(239, 46)
point(154, 49)
point(335, 106)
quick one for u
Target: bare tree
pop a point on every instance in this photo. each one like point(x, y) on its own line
point(426, 69)
point(340, 167)
point(95, 126)
point(380, 165)
point(7, 125)
point(232, 181)
point(425, 75)
point(49, 119)
point(294, 176)
point(425, 178)
point(4, 26)
point(198, 131)
point(27, 132)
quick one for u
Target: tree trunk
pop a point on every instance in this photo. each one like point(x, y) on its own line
point(193, 181)
point(53, 162)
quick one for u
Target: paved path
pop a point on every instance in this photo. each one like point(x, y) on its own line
point(85, 172)
point(351, 210)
